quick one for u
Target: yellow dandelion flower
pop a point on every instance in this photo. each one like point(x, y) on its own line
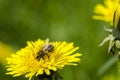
point(42, 57)
point(5, 52)
point(105, 12)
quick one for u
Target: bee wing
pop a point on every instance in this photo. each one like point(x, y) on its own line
point(47, 40)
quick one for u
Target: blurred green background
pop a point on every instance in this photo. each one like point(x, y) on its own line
point(59, 20)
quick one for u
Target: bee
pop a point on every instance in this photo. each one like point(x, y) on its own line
point(45, 50)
